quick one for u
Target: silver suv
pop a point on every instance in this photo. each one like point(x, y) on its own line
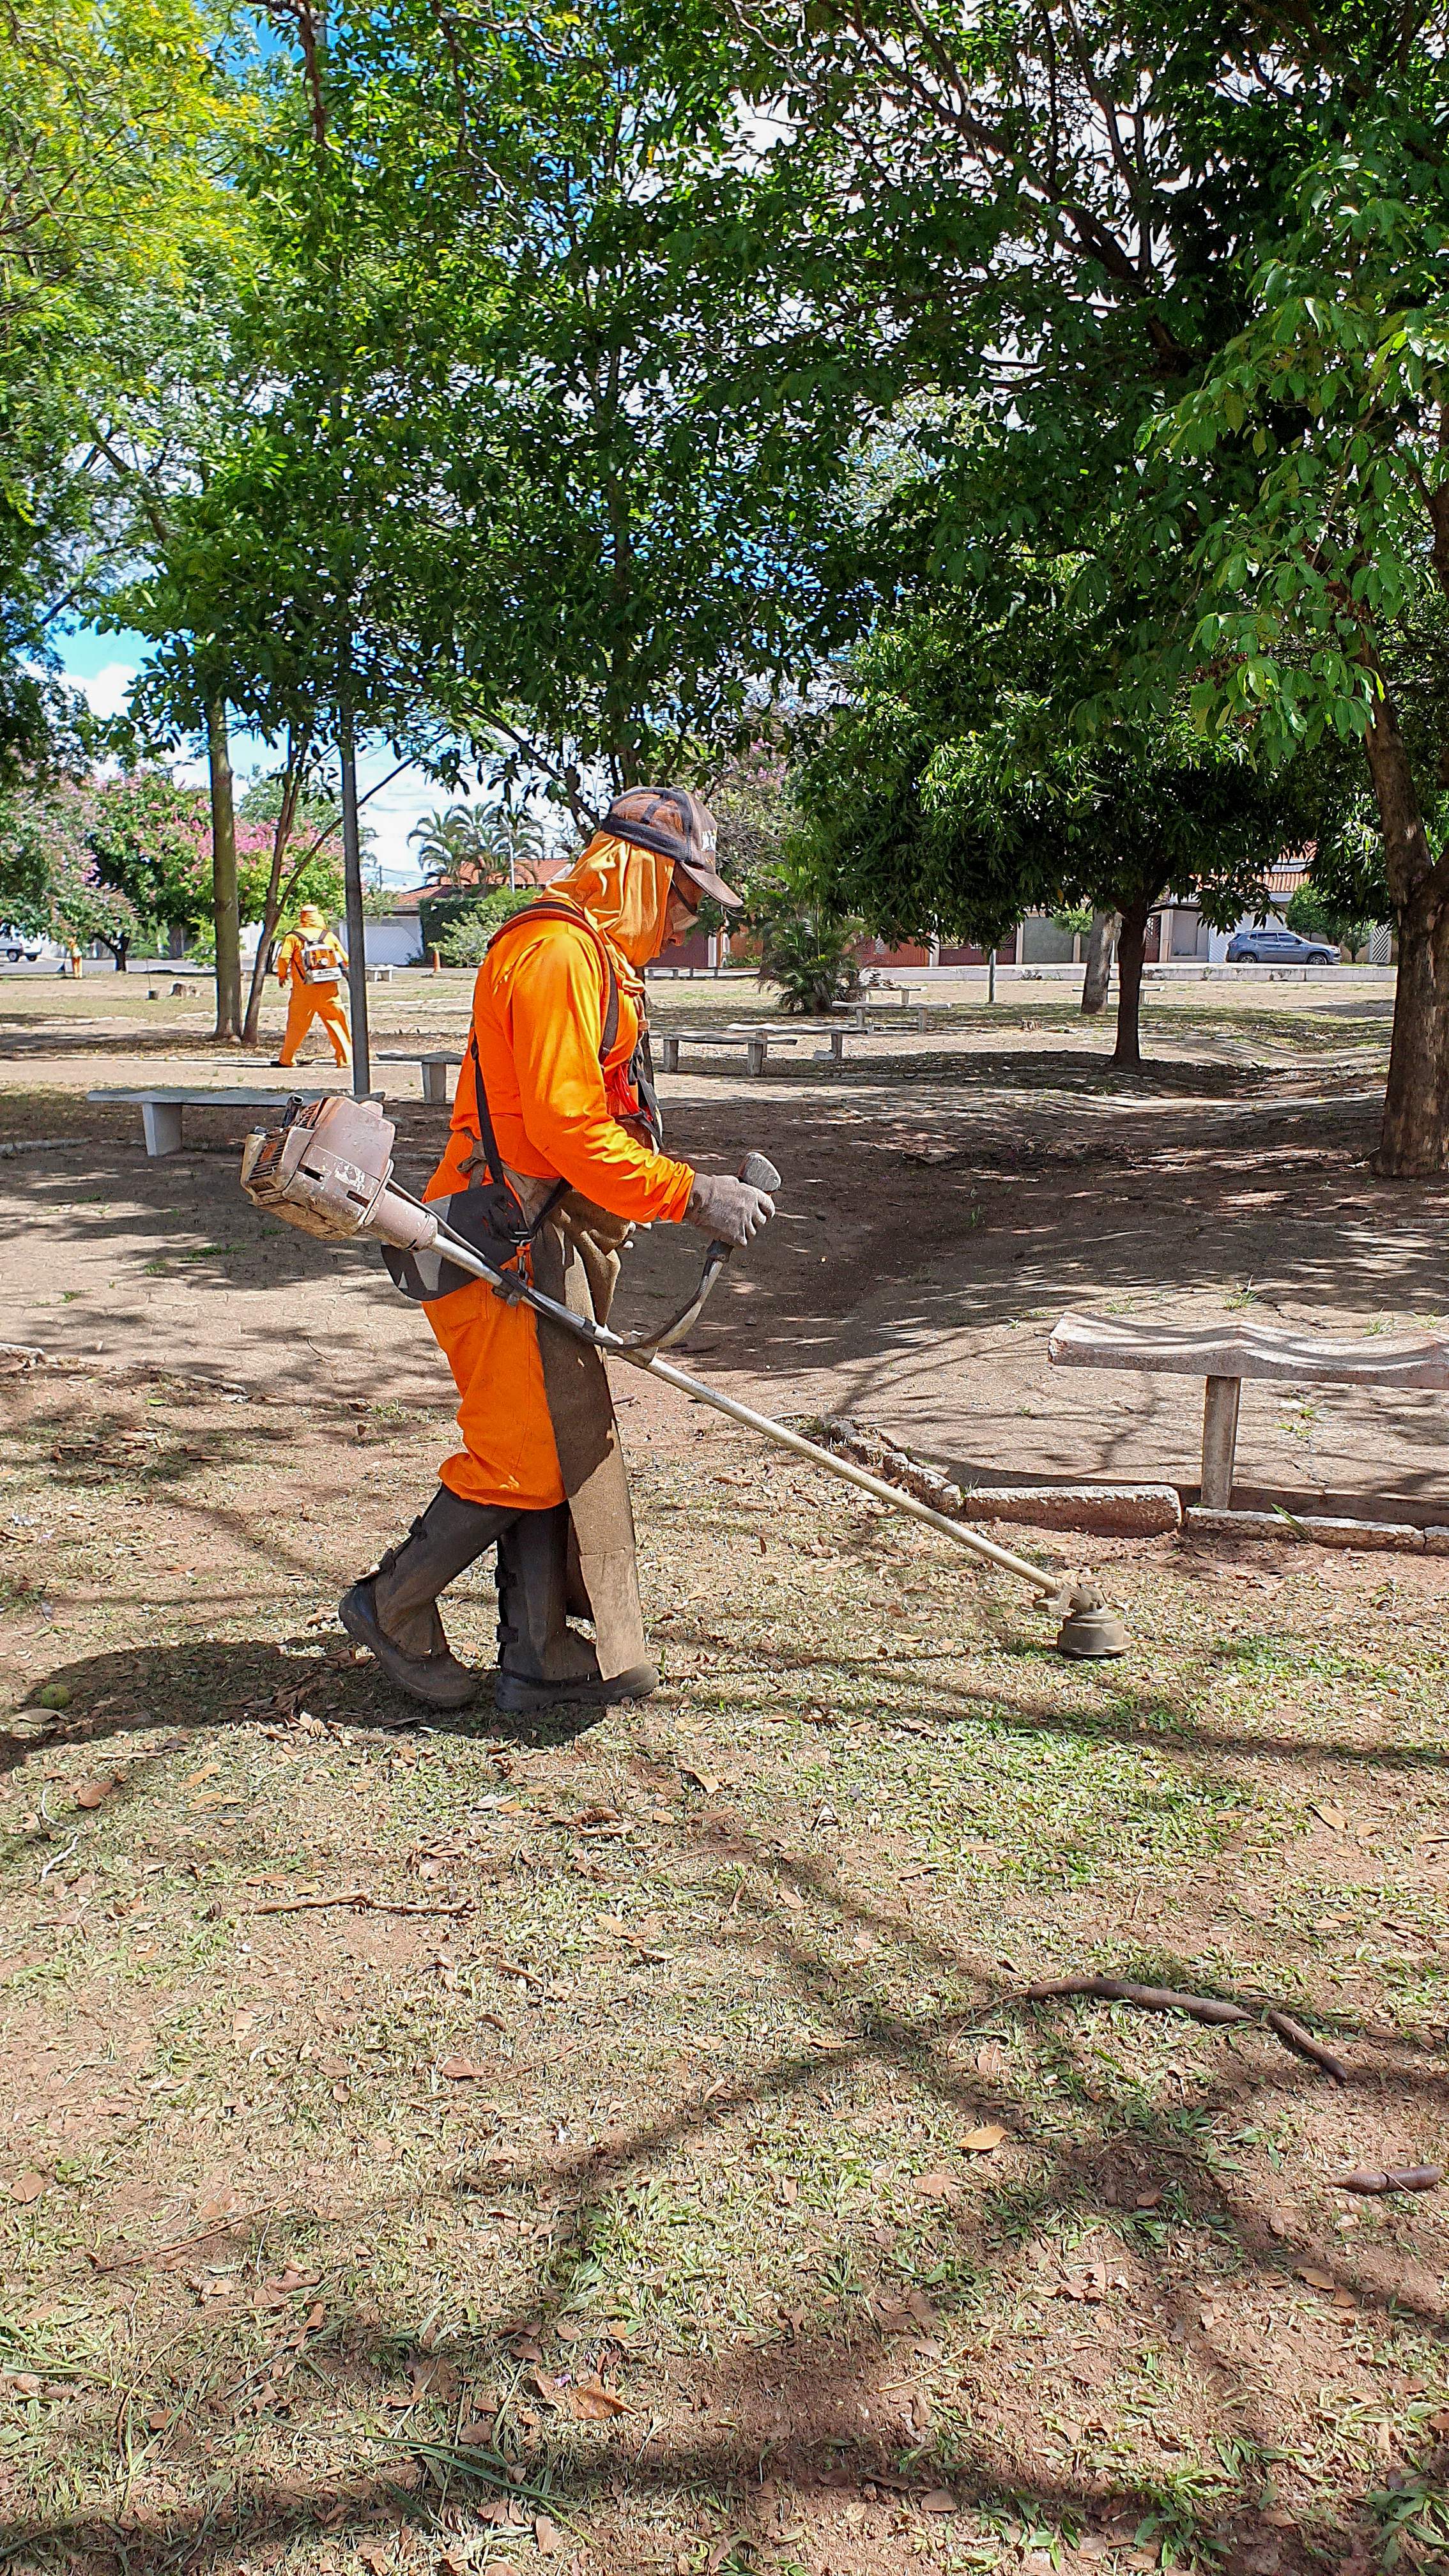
point(1279, 948)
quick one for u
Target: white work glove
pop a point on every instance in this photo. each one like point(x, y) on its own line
point(727, 1210)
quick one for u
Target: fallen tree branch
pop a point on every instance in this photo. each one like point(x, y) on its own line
point(359, 1896)
point(1375, 2178)
point(1293, 2035)
point(1207, 2008)
point(511, 1968)
point(1117, 1990)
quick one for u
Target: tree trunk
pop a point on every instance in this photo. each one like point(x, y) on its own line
point(1131, 942)
point(1414, 1140)
point(224, 908)
point(261, 969)
point(1101, 940)
point(277, 895)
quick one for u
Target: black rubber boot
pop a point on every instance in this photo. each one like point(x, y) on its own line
point(542, 1661)
point(394, 1612)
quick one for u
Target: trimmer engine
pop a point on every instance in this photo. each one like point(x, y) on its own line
point(327, 1169)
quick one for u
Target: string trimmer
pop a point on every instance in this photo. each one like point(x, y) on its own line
point(328, 1169)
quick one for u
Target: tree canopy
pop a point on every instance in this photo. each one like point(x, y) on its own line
point(553, 394)
point(949, 793)
point(1184, 269)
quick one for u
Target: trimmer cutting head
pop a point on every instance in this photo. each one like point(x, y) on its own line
point(1091, 1631)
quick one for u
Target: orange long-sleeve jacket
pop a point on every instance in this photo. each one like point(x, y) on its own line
point(539, 1008)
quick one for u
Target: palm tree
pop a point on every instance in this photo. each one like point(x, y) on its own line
point(483, 847)
point(449, 846)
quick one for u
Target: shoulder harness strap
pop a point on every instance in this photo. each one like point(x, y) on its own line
point(487, 1136)
point(546, 908)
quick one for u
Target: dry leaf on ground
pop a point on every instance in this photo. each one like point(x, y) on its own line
point(979, 2142)
point(593, 2403)
point(936, 2186)
point(28, 2185)
point(95, 1790)
point(548, 2536)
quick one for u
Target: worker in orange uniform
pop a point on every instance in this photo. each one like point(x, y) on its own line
point(553, 1155)
point(313, 961)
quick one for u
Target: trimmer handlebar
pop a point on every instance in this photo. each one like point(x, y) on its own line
point(760, 1173)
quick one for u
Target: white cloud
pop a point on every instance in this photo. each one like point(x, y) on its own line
point(105, 690)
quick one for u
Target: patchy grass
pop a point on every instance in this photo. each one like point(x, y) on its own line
point(604, 2190)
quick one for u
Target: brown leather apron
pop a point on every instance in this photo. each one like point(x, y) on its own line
point(576, 1262)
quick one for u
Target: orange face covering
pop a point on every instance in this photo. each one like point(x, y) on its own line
point(625, 892)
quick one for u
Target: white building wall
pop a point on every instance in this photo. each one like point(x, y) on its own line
point(393, 939)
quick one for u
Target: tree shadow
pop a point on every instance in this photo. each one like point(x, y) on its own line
point(806, 2406)
point(803, 2410)
point(203, 1688)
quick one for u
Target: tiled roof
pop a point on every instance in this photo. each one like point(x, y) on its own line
point(406, 899)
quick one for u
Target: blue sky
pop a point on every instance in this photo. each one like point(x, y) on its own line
point(103, 667)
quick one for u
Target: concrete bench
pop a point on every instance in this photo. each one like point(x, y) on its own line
point(1224, 1356)
point(435, 1070)
point(878, 993)
point(756, 1043)
point(861, 1024)
point(834, 1032)
point(161, 1110)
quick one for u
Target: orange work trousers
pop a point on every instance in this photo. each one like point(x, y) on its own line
point(309, 1002)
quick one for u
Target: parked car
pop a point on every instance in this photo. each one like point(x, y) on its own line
point(1279, 948)
point(16, 945)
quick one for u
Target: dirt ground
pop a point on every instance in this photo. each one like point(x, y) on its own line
point(625, 2146)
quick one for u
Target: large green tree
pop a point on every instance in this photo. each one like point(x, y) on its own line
point(115, 128)
point(949, 793)
point(1189, 263)
point(51, 883)
point(1318, 588)
point(581, 502)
